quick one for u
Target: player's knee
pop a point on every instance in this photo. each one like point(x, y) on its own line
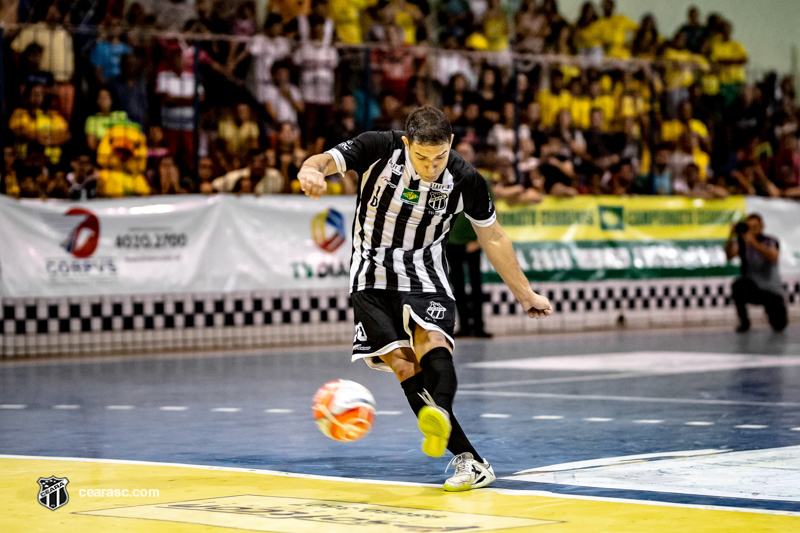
point(403, 363)
point(425, 341)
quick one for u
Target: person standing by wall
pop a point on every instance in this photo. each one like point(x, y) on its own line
point(760, 282)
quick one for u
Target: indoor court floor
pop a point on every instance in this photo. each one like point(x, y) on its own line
point(626, 431)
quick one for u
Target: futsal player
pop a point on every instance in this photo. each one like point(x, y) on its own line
point(411, 185)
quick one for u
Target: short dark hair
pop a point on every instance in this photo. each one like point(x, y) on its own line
point(428, 126)
point(756, 216)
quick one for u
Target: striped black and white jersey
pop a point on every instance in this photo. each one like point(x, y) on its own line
point(402, 222)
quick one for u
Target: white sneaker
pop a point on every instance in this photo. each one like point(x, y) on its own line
point(470, 474)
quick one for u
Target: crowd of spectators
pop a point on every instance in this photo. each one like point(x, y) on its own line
point(113, 102)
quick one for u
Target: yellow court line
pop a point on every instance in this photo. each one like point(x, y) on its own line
point(194, 498)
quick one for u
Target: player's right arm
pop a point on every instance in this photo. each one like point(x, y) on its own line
point(312, 174)
point(356, 154)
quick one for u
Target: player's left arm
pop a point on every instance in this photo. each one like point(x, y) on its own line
point(498, 248)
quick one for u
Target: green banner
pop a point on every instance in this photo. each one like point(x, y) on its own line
point(599, 238)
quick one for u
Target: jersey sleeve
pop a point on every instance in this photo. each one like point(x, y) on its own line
point(359, 153)
point(478, 205)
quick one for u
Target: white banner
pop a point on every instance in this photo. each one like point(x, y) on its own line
point(173, 244)
point(781, 221)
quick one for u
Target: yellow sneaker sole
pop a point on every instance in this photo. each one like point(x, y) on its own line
point(436, 427)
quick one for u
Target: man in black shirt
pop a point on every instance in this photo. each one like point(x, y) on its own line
point(412, 185)
point(761, 280)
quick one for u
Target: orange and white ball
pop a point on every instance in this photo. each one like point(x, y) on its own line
point(344, 410)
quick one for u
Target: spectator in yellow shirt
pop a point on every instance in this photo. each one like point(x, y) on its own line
point(123, 176)
point(587, 37)
point(36, 123)
point(730, 56)
point(10, 186)
point(602, 101)
point(238, 134)
point(672, 130)
point(553, 100)
point(580, 105)
point(346, 15)
point(613, 30)
point(682, 68)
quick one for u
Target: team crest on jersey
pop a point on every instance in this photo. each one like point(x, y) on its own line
point(436, 310)
point(410, 197)
point(437, 200)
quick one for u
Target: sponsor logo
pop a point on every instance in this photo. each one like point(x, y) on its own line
point(388, 181)
point(437, 200)
point(441, 186)
point(397, 170)
point(283, 514)
point(53, 492)
point(361, 335)
point(328, 230)
point(345, 145)
point(410, 197)
point(436, 310)
point(611, 218)
point(360, 348)
point(82, 240)
point(79, 231)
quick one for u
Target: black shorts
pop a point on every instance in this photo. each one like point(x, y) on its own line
point(384, 321)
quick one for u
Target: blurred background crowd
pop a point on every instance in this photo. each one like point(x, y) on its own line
point(115, 98)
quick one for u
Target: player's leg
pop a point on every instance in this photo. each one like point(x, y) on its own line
point(439, 374)
point(741, 293)
point(404, 364)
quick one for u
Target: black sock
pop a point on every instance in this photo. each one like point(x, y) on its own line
point(440, 377)
point(440, 381)
point(413, 386)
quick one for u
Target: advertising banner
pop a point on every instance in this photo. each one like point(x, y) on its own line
point(229, 243)
point(609, 237)
point(173, 244)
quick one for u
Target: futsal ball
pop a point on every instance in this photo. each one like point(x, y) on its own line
point(344, 410)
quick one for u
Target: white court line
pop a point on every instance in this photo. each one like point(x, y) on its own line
point(388, 413)
point(751, 426)
point(597, 419)
point(66, 406)
point(279, 411)
point(509, 492)
point(13, 406)
point(119, 407)
point(173, 408)
point(598, 397)
point(648, 421)
point(795, 429)
point(548, 417)
point(698, 423)
point(573, 379)
point(226, 410)
point(494, 415)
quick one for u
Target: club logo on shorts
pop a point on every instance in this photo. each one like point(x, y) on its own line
point(436, 310)
point(361, 335)
point(437, 200)
point(53, 492)
point(410, 197)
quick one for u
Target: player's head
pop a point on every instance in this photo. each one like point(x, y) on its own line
point(428, 139)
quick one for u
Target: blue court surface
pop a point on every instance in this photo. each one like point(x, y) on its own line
point(694, 416)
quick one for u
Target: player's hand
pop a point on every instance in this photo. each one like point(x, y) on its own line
point(538, 306)
point(312, 182)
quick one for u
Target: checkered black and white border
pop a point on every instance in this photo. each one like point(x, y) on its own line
point(139, 323)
